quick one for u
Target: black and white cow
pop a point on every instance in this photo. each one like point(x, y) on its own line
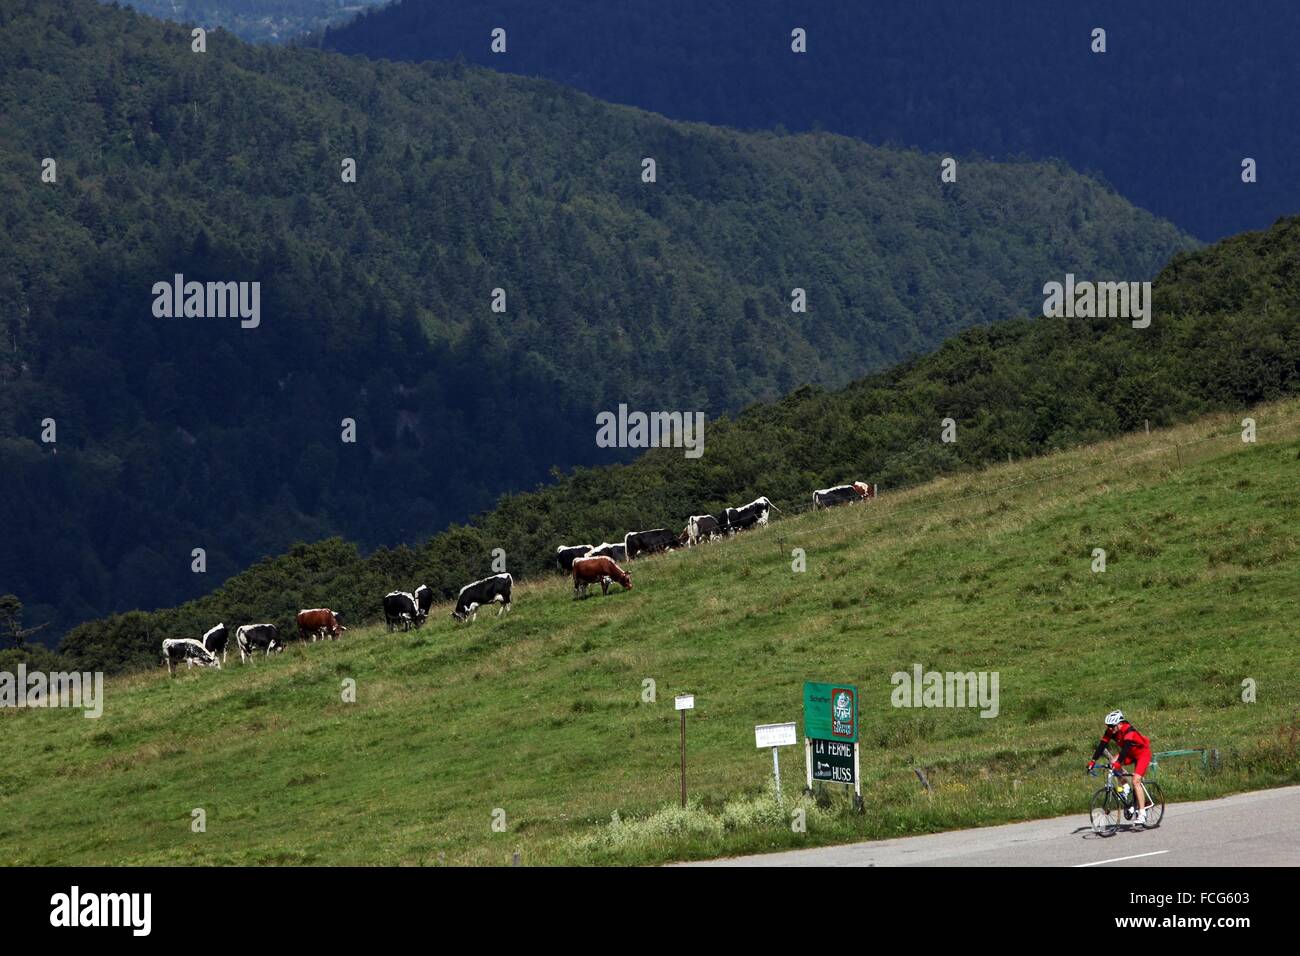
point(192, 652)
point(423, 601)
point(566, 553)
point(754, 513)
point(215, 641)
point(648, 542)
point(251, 638)
point(400, 610)
point(830, 497)
point(473, 596)
point(606, 550)
point(702, 528)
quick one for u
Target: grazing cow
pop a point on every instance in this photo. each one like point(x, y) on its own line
point(616, 552)
point(702, 528)
point(589, 570)
point(423, 601)
point(318, 623)
point(190, 651)
point(754, 513)
point(473, 596)
point(565, 554)
point(400, 610)
point(648, 542)
point(250, 638)
point(215, 641)
point(843, 494)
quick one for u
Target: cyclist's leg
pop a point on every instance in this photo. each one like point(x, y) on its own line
point(1142, 763)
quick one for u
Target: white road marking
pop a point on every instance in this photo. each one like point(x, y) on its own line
point(1120, 859)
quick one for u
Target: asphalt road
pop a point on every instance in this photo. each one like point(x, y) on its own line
point(1248, 829)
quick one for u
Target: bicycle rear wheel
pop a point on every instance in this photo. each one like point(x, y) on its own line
point(1105, 811)
point(1155, 812)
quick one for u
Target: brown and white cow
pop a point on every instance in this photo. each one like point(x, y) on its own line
point(318, 623)
point(590, 570)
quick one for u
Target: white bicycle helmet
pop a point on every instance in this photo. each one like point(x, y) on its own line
point(1114, 718)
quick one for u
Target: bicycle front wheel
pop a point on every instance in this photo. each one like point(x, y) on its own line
point(1105, 811)
point(1156, 797)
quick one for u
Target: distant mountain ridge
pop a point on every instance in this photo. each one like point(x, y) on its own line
point(376, 296)
point(271, 21)
point(1185, 90)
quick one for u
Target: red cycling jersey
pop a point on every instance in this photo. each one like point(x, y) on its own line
point(1133, 747)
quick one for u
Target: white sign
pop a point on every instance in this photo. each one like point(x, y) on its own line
point(775, 735)
point(685, 702)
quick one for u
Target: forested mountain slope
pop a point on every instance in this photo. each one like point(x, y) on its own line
point(1184, 92)
point(375, 296)
point(1225, 336)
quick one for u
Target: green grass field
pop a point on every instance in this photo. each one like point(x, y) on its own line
point(540, 715)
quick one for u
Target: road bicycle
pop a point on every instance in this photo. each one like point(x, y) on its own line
point(1116, 803)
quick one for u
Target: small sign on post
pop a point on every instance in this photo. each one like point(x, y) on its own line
point(830, 721)
point(683, 703)
point(775, 735)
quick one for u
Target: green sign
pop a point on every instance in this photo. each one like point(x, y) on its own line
point(830, 711)
point(832, 761)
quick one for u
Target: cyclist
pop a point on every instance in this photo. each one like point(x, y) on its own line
point(1133, 748)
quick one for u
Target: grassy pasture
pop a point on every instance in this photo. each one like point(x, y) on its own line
point(540, 714)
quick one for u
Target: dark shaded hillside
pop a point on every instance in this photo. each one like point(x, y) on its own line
point(1225, 336)
point(184, 433)
point(1186, 89)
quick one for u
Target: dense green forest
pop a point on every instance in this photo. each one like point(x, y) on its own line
point(176, 434)
point(1185, 90)
point(1225, 336)
point(272, 21)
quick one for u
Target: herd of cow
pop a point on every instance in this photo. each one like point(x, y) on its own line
point(587, 564)
point(210, 651)
point(599, 563)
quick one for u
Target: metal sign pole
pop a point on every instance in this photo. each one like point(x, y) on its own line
point(683, 703)
point(683, 713)
point(857, 779)
point(776, 769)
point(807, 762)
